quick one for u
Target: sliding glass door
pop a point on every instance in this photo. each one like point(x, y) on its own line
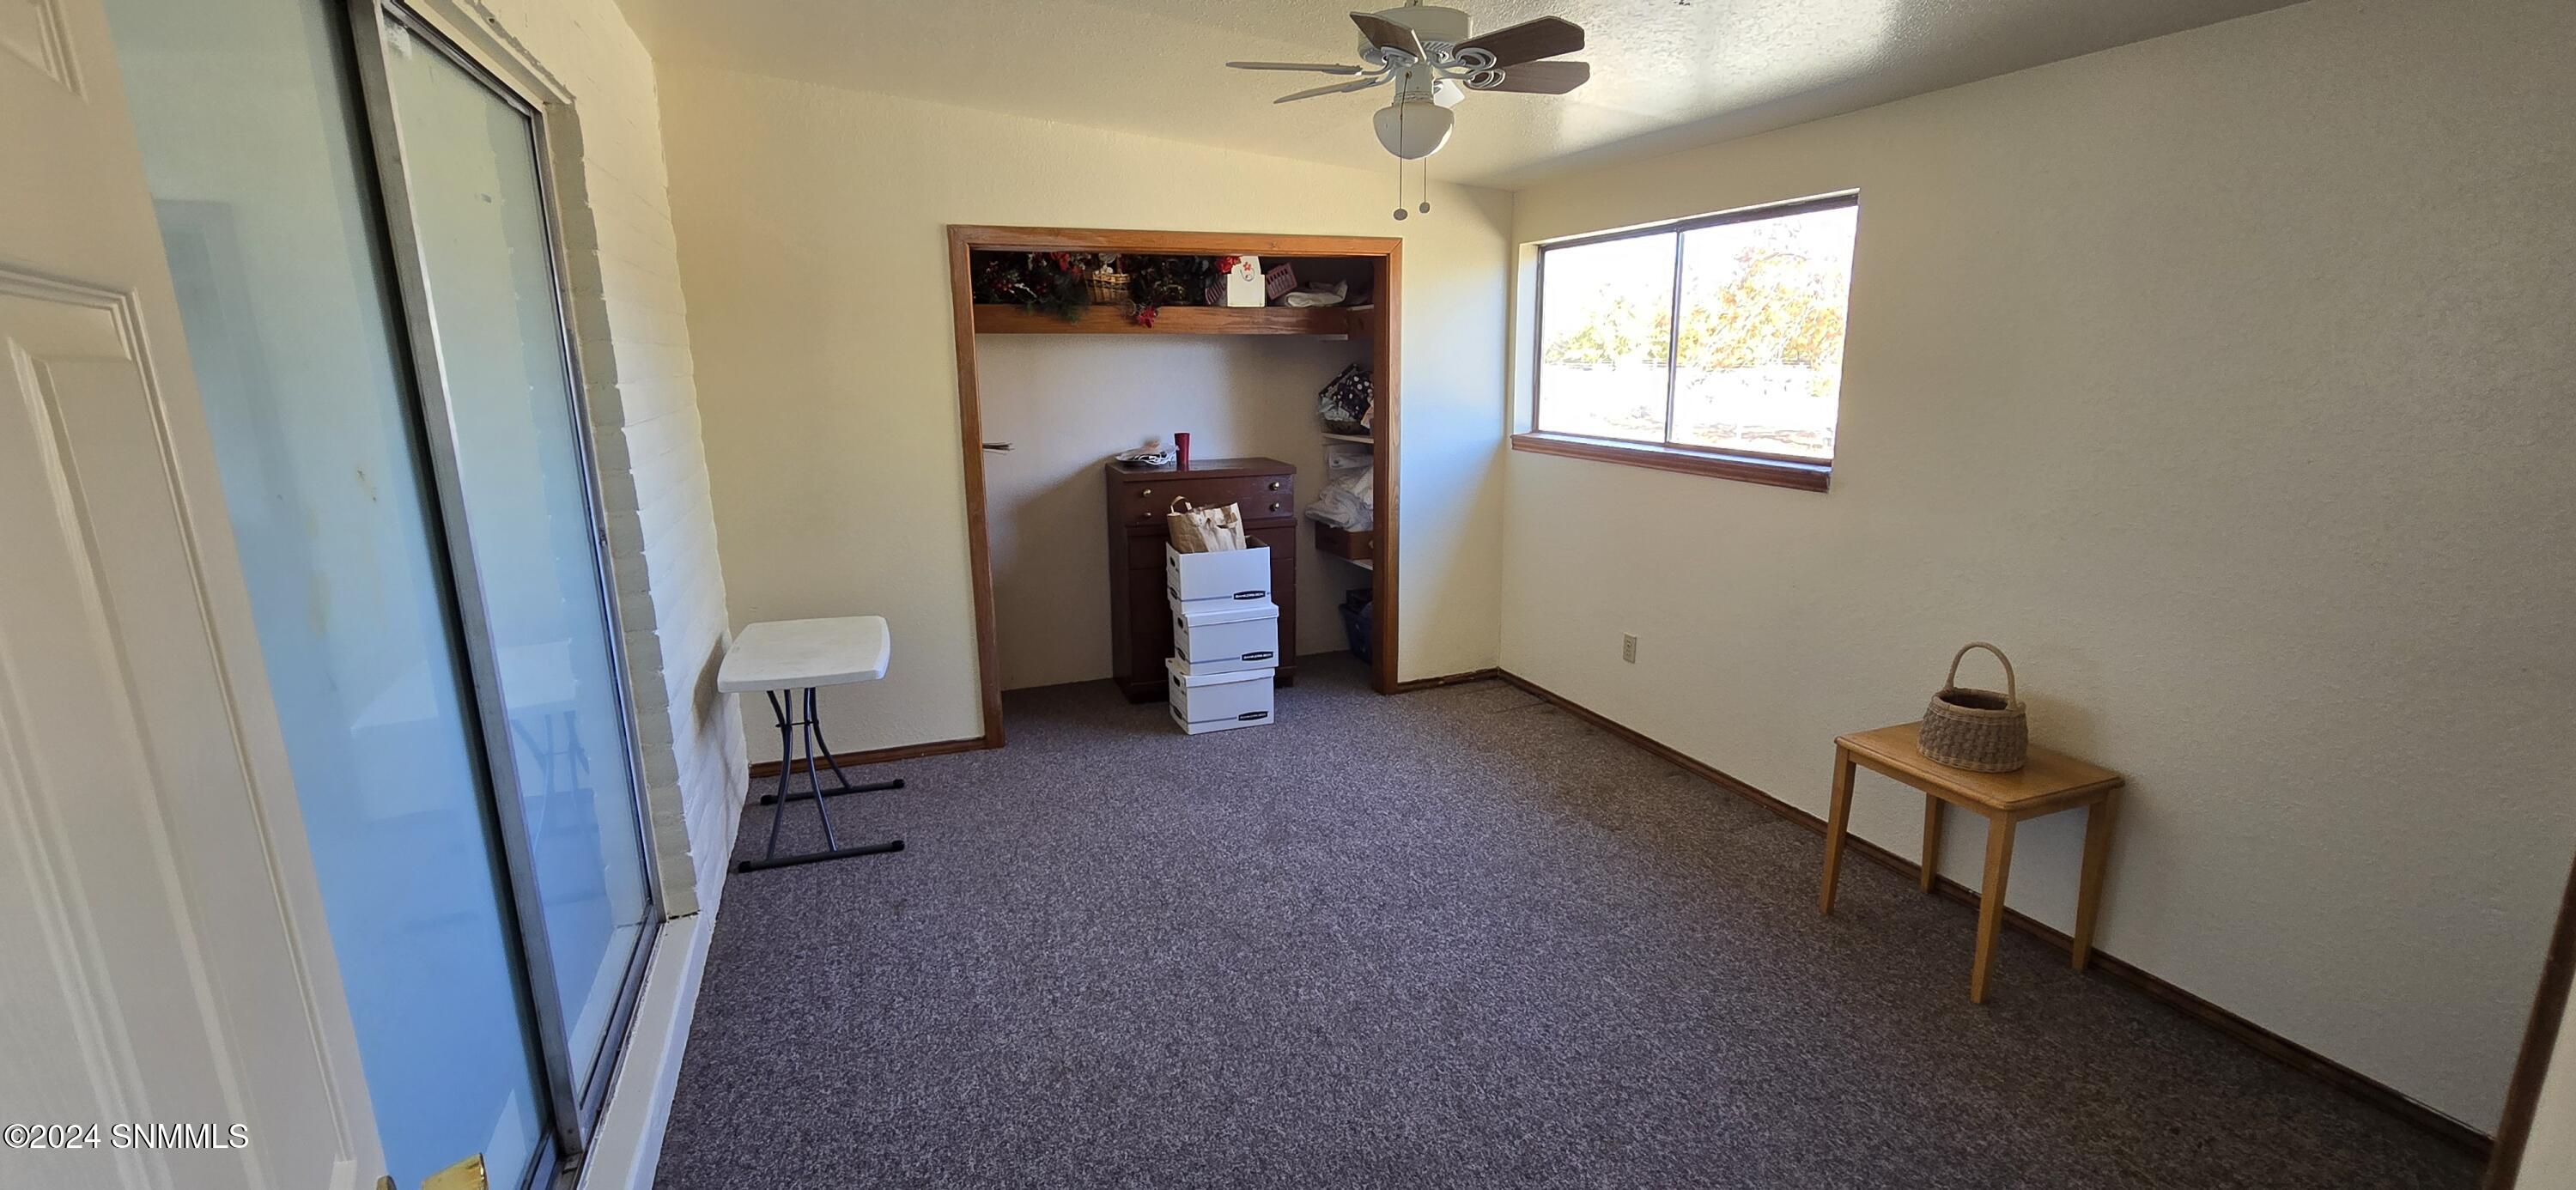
point(356, 219)
point(256, 153)
point(490, 339)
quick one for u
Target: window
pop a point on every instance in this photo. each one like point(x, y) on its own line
point(1713, 345)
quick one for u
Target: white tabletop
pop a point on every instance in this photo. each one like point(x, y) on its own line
point(792, 654)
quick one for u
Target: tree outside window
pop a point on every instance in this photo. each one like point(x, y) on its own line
point(1755, 363)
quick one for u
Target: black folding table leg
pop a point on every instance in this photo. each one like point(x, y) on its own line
point(777, 801)
point(807, 795)
point(811, 735)
point(814, 788)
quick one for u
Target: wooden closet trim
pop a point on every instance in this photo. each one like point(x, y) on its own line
point(1384, 358)
point(2539, 1041)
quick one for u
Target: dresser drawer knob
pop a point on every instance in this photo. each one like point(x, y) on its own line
point(1274, 485)
point(1274, 506)
point(1141, 493)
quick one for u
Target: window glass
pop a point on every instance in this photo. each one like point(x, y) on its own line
point(1754, 365)
point(1606, 317)
point(470, 159)
point(1761, 360)
point(248, 116)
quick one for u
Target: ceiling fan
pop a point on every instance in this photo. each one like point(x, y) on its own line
point(1427, 54)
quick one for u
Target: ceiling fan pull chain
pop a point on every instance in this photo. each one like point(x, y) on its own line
point(1399, 168)
point(1426, 186)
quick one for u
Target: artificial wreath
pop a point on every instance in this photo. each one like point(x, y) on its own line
point(1159, 281)
point(1053, 282)
point(1059, 282)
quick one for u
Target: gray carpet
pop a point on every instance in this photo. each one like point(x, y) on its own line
point(1452, 938)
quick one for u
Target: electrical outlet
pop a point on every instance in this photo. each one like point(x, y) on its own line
point(1628, 647)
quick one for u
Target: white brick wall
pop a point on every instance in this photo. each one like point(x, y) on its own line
point(623, 273)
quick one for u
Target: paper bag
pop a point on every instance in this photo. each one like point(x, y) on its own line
point(1204, 530)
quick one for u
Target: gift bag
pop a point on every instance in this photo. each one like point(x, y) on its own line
point(1348, 402)
point(1204, 530)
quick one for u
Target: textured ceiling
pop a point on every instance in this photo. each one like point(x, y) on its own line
point(1667, 74)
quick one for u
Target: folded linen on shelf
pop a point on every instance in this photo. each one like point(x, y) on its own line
point(1348, 499)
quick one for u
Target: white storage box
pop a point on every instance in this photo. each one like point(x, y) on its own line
point(1223, 665)
point(1239, 576)
point(1221, 631)
point(1218, 702)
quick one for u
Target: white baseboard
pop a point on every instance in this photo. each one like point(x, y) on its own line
point(627, 1148)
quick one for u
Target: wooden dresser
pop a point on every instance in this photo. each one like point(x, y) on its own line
point(1140, 618)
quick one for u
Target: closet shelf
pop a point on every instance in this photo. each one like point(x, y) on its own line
point(1359, 548)
point(1169, 320)
point(1362, 439)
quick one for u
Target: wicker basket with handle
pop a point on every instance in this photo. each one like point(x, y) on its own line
point(1977, 730)
point(1107, 288)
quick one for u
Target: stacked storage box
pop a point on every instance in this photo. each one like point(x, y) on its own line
point(1225, 638)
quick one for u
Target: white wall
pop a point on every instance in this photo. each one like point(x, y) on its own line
point(813, 242)
point(1067, 402)
point(2224, 380)
point(645, 426)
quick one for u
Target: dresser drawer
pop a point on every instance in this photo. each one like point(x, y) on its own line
point(1263, 497)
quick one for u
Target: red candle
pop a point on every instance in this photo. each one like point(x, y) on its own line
point(1181, 451)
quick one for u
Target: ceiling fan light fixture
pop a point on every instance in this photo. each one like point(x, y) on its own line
point(1413, 129)
point(1427, 54)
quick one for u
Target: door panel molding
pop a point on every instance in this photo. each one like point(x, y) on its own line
point(33, 31)
point(109, 770)
point(72, 996)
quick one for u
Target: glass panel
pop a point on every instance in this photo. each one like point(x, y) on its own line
point(1762, 333)
point(470, 168)
point(1606, 314)
point(251, 137)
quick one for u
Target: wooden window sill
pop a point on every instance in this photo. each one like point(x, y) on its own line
point(1782, 473)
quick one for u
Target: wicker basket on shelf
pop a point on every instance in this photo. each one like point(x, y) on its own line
point(1981, 731)
point(1107, 289)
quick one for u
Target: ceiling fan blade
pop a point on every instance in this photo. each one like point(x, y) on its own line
point(1317, 67)
point(1387, 35)
point(1528, 41)
point(1331, 89)
point(1543, 78)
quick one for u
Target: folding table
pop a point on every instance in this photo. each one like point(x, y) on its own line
point(781, 659)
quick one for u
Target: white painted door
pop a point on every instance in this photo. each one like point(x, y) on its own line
point(170, 1014)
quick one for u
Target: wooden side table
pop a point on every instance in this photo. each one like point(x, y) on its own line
point(2050, 782)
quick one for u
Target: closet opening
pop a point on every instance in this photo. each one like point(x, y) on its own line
point(1074, 345)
